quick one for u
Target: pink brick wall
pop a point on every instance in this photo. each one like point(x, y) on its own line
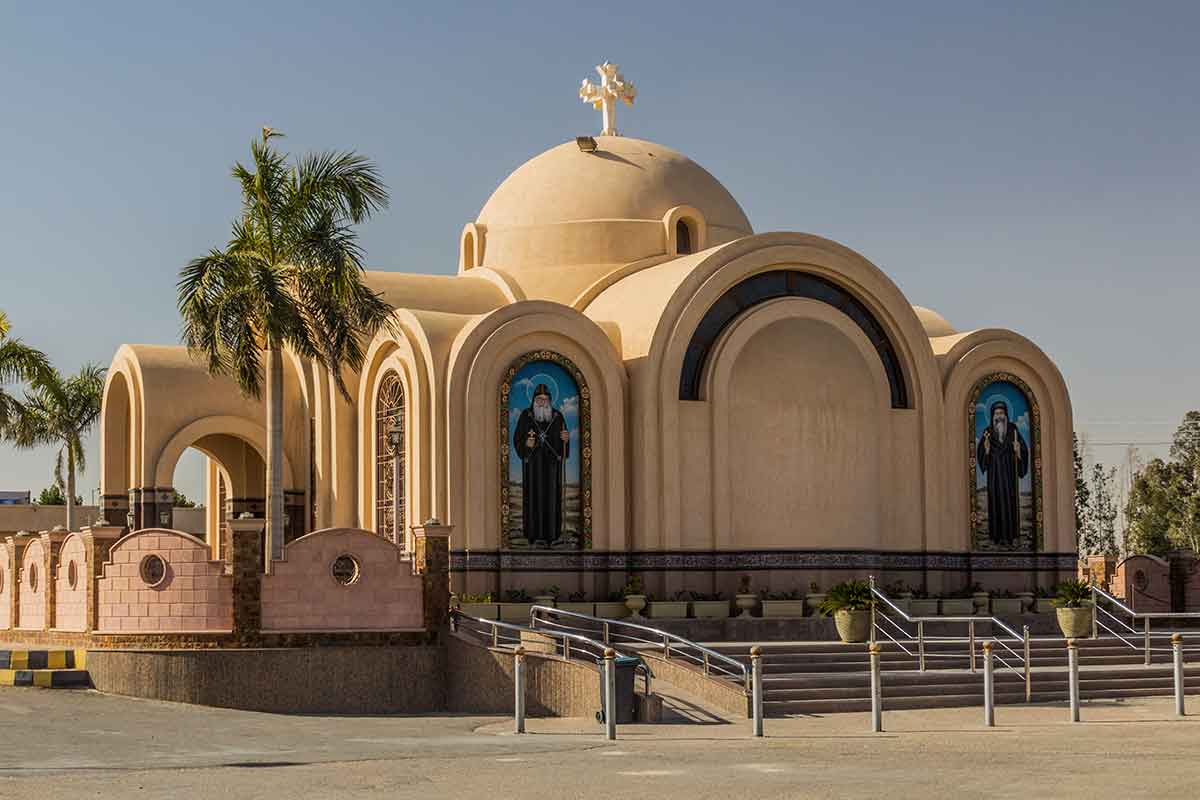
point(6, 589)
point(70, 604)
point(196, 594)
point(302, 595)
point(32, 613)
point(1151, 592)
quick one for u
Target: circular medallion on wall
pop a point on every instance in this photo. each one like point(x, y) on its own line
point(72, 574)
point(345, 569)
point(153, 570)
point(33, 578)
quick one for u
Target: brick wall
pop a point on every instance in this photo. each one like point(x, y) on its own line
point(301, 594)
point(1144, 583)
point(70, 602)
point(31, 597)
point(194, 595)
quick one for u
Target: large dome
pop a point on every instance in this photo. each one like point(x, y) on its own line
point(629, 179)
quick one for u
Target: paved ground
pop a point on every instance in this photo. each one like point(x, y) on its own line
point(84, 744)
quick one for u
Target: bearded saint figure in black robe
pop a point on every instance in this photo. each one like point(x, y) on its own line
point(544, 444)
point(1004, 458)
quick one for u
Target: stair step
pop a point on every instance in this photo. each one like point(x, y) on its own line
point(827, 706)
point(46, 678)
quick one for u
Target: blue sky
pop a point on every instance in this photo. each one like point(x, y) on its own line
point(1028, 165)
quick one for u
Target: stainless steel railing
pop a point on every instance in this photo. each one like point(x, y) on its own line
point(568, 646)
point(1146, 633)
point(619, 631)
point(1017, 662)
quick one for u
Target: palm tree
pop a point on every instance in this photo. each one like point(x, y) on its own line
point(60, 411)
point(18, 362)
point(290, 276)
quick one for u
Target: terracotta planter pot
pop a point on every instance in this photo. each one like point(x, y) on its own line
point(853, 626)
point(710, 609)
point(1075, 623)
point(980, 599)
point(1026, 599)
point(783, 609)
point(813, 602)
point(635, 603)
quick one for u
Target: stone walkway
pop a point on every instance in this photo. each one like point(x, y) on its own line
point(61, 744)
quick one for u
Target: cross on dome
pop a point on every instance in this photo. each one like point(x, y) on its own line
point(613, 87)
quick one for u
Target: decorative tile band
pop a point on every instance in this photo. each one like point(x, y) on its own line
point(749, 560)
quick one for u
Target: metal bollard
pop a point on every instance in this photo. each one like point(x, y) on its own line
point(876, 691)
point(519, 687)
point(756, 693)
point(1073, 678)
point(1177, 646)
point(989, 687)
point(610, 694)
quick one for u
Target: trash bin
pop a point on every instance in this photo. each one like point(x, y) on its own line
point(626, 668)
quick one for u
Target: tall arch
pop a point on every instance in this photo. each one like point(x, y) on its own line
point(390, 458)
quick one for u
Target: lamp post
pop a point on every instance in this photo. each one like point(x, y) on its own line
point(395, 441)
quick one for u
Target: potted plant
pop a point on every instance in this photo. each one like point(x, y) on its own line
point(612, 608)
point(1073, 604)
point(479, 606)
point(547, 597)
point(1006, 604)
point(675, 608)
point(1026, 599)
point(980, 598)
point(635, 599)
point(745, 599)
point(709, 606)
point(576, 604)
point(958, 604)
point(783, 605)
point(922, 605)
point(850, 604)
point(814, 598)
point(515, 606)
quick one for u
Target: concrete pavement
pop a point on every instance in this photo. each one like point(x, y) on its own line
point(70, 743)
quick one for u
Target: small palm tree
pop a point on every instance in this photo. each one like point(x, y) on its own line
point(60, 411)
point(18, 362)
point(290, 276)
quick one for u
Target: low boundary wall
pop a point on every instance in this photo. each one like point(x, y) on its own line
point(479, 680)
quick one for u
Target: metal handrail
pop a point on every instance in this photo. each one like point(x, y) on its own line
point(582, 644)
point(672, 644)
point(1099, 594)
point(1023, 658)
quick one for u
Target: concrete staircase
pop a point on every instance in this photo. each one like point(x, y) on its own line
point(825, 677)
point(48, 669)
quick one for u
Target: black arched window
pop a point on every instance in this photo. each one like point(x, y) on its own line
point(786, 283)
point(389, 465)
point(683, 238)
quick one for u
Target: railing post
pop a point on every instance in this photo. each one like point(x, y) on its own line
point(876, 690)
point(1028, 665)
point(1177, 646)
point(566, 649)
point(989, 688)
point(871, 579)
point(971, 641)
point(1073, 678)
point(610, 694)
point(1095, 605)
point(666, 647)
point(606, 633)
point(706, 664)
point(495, 636)
point(756, 694)
point(1146, 645)
point(921, 644)
point(519, 687)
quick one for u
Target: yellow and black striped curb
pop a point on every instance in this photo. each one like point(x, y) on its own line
point(46, 678)
point(42, 659)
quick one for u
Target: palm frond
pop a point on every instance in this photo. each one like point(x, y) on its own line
point(346, 182)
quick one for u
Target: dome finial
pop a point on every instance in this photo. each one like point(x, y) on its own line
point(613, 87)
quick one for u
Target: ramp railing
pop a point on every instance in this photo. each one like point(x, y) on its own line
point(1103, 618)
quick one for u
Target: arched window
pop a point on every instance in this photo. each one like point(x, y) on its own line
point(468, 250)
point(683, 238)
point(389, 460)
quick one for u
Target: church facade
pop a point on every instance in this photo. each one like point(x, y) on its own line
point(624, 378)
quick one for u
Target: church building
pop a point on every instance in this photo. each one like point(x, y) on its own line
point(624, 378)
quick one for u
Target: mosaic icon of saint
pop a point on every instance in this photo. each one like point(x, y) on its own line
point(1003, 457)
point(543, 443)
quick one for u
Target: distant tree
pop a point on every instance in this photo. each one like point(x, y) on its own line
point(181, 501)
point(18, 363)
point(52, 495)
point(60, 411)
point(1082, 498)
point(1153, 507)
point(1185, 445)
point(290, 277)
point(1102, 513)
